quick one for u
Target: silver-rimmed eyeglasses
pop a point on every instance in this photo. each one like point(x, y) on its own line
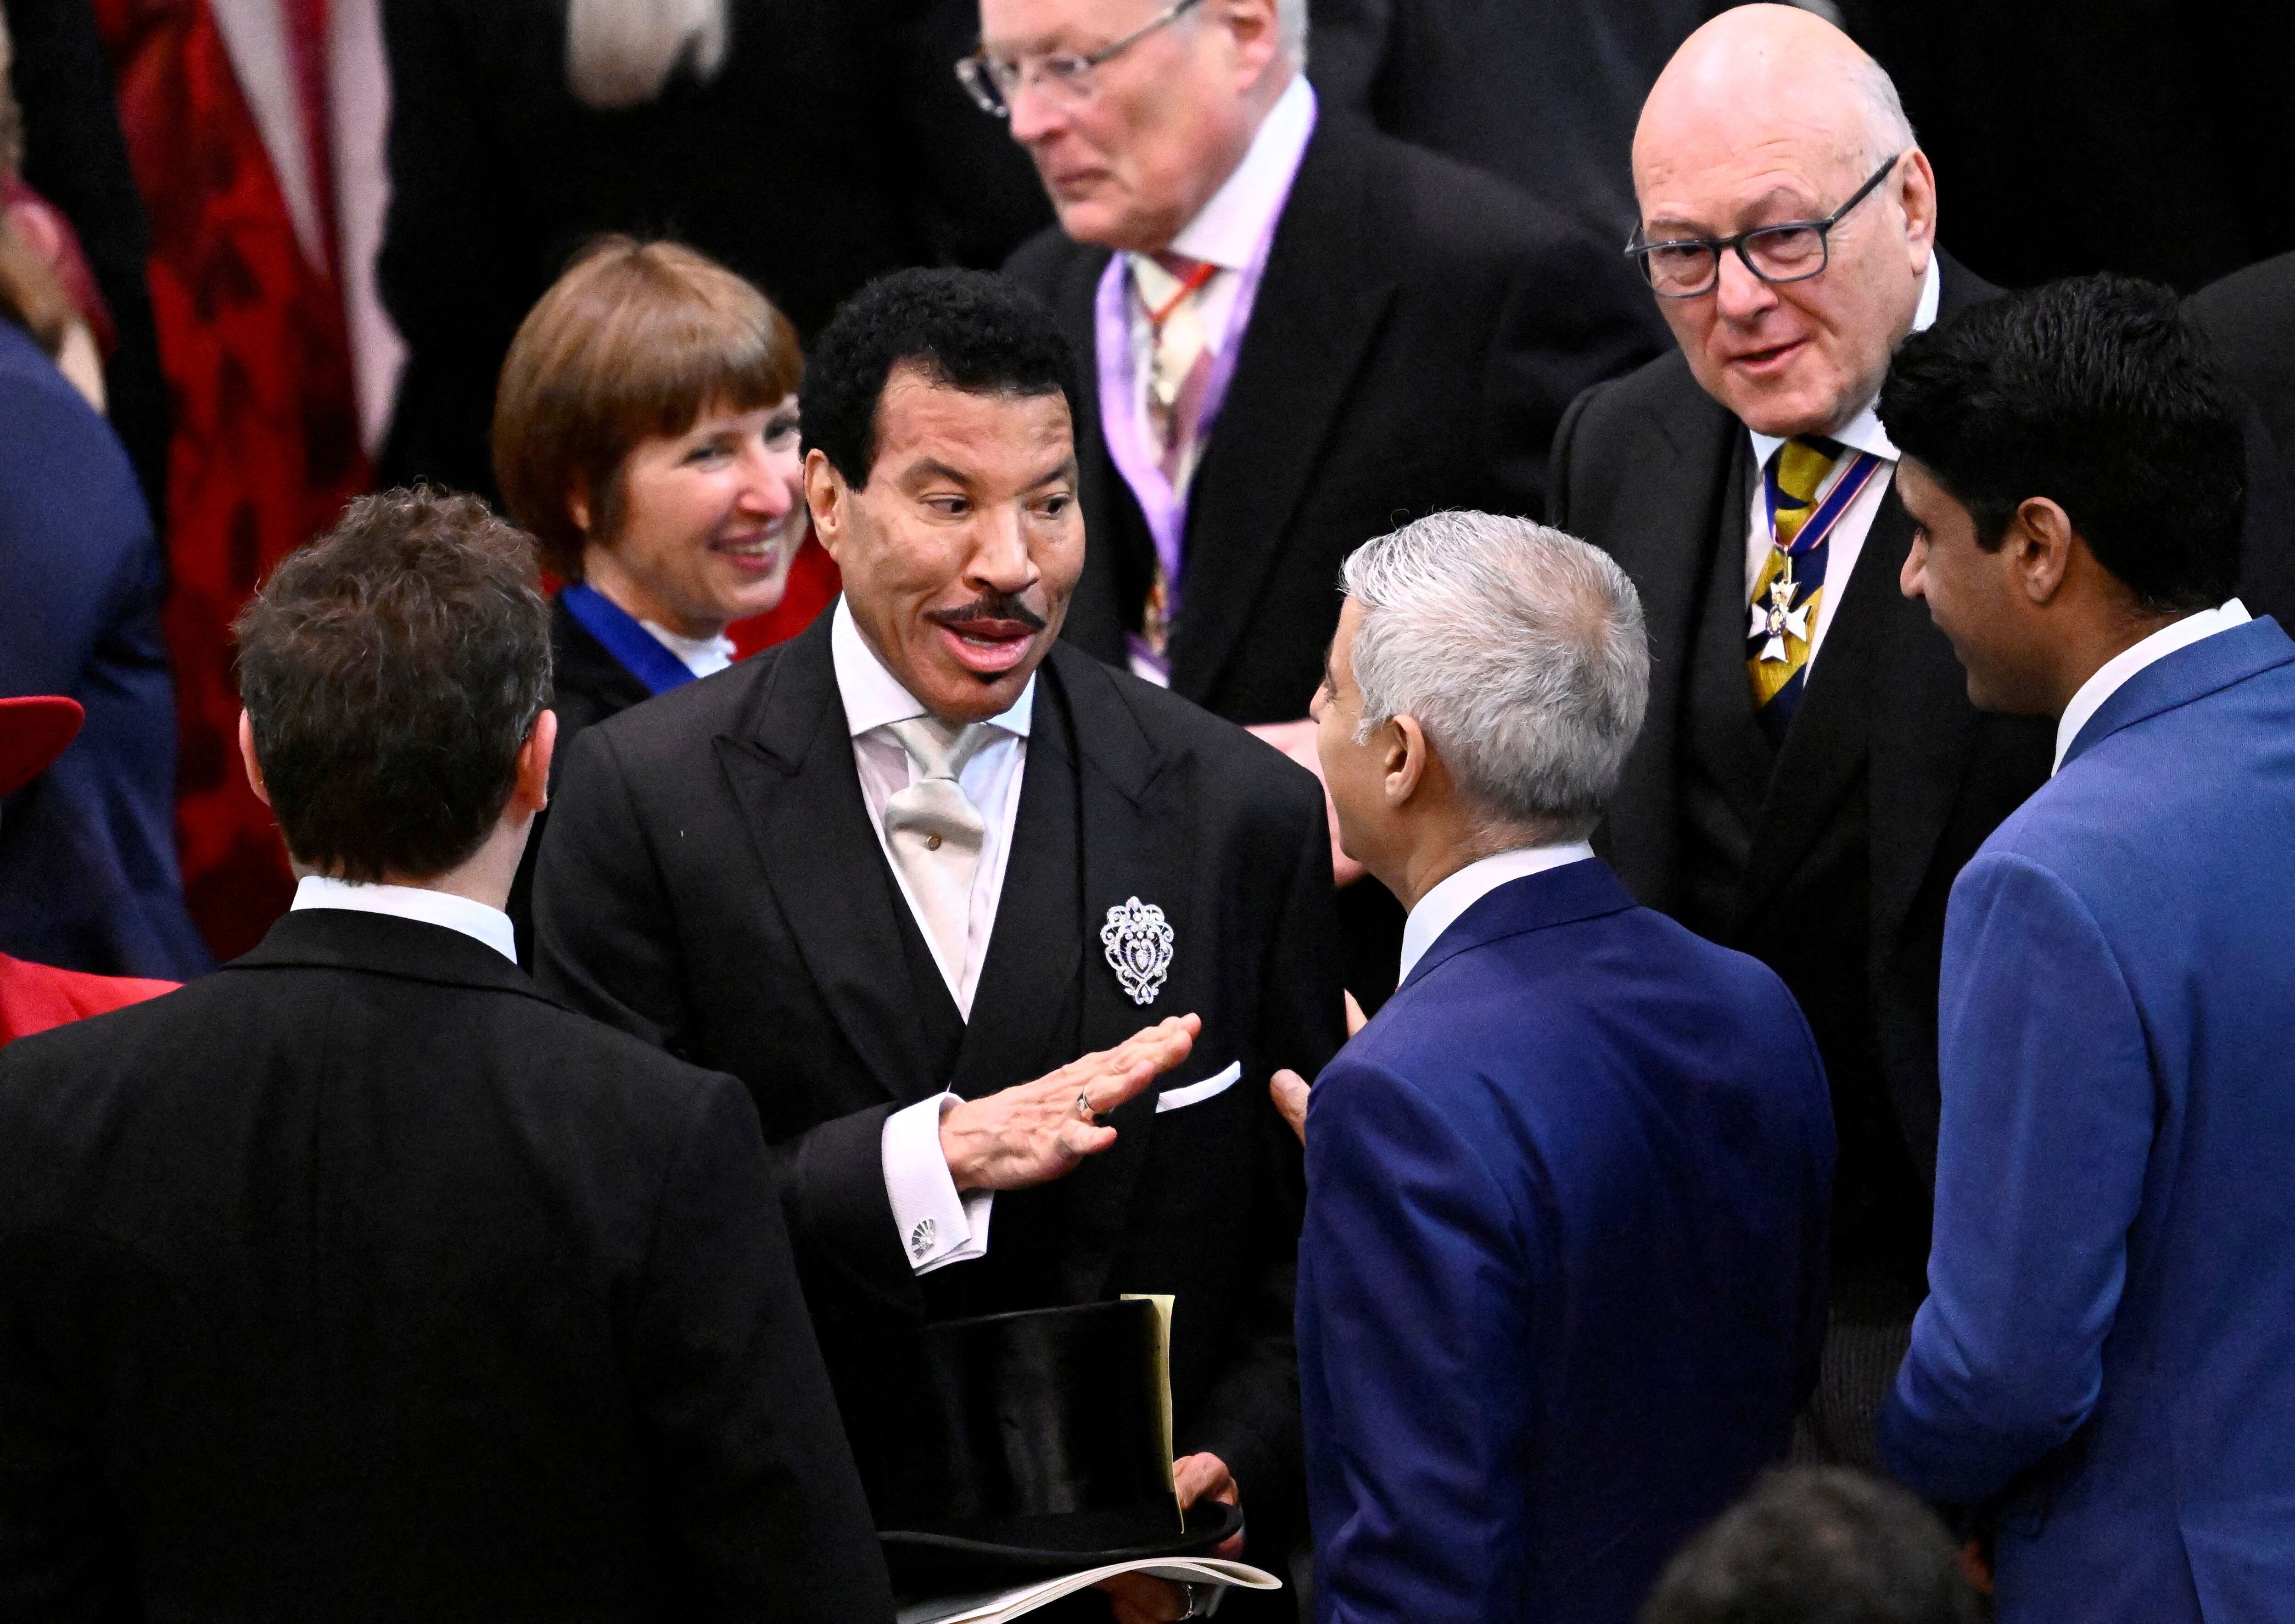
point(1790, 250)
point(1063, 75)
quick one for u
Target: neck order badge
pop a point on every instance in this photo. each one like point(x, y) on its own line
point(1785, 597)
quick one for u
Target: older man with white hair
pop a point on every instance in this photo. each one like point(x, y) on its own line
point(1298, 331)
point(1561, 1282)
point(1812, 774)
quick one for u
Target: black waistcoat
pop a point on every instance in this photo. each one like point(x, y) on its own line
point(1815, 932)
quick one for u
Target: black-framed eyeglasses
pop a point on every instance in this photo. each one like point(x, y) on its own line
point(1791, 250)
point(1065, 75)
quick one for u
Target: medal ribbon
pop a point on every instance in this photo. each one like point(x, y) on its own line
point(627, 642)
point(1845, 490)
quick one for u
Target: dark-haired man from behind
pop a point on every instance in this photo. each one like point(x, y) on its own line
point(1817, 1545)
point(2105, 1366)
point(890, 870)
point(358, 1281)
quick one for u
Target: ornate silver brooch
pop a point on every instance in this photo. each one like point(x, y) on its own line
point(1137, 938)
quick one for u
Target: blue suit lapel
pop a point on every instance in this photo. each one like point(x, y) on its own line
point(1583, 890)
point(2192, 673)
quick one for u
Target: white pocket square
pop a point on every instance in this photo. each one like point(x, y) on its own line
point(1195, 1093)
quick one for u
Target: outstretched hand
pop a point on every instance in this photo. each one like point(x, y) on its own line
point(1034, 1132)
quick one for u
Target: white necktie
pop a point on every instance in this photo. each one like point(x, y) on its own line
point(934, 830)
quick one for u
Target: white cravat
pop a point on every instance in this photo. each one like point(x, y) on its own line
point(702, 656)
point(475, 920)
point(938, 1225)
point(2110, 676)
point(1440, 908)
point(1846, 542)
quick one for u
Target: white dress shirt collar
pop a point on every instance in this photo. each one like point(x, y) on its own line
point(475, 920)
point(1864, 432)
point(874, 697)
point(1227, 230)
point(2115, 672)
point(703, 657)
point(1440, 908)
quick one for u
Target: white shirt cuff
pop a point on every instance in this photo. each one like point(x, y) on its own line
point(938, 1225)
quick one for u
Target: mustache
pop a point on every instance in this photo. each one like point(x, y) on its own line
point(992, 605)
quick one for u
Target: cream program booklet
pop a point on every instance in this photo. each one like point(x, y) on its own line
point(994, 1609)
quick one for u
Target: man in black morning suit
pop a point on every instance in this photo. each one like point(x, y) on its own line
point(778, 871)
point(1822, 836)
point(1377, 332)
point(360, 1281)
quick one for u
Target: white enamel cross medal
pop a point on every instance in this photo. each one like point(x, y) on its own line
point(1137, 938)
point(1778, 619)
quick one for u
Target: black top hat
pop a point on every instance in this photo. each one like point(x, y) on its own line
point(1018, 1445)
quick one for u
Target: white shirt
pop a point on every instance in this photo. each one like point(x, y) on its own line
point(937, 1227)
point(1440, 908)
point(2110, 676)
point(475, 920)
point(703, 657)
point(1227, 230)
point(1847, 543)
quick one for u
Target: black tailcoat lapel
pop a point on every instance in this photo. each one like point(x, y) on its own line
point(1671, 510)
point(1319, 306)
point(1137, 840)
point(1026, 1007)
point(791, 770)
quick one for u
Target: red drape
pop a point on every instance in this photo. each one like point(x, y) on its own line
point(265, 448)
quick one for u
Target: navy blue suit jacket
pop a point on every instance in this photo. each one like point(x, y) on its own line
point(88, 877)
point(2108, 1350)
point(1562, 1283)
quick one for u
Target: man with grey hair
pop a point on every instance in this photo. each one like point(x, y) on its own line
point(1298, 331)
point(1562, 1283)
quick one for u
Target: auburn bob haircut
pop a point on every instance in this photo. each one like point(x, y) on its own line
point(636, 340)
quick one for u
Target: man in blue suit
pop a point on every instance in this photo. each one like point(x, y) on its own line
point(2105, 1367)
point(1562, 1283)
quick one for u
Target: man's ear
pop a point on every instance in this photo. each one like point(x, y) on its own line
point(2040, 538)
point(247, 760)
point(830, 502)
point(1405, 749)
point(532, 789)
point(578, 505)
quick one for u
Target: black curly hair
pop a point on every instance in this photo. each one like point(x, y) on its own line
point(968, 329)
point(2095, 392)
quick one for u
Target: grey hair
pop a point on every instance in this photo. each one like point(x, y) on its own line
point(1519, 649)
point(621, 53)
point(1887, 130)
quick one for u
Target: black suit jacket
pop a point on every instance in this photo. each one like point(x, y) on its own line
point(834, 145)
point(2250, 319)
point(1887, 783)
point(587, 685)
point(712, 883)
point(360, 1281)
point(1418, 334)
point(1542, 92)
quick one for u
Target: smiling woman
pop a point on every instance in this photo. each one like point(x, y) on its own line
point(646, 434)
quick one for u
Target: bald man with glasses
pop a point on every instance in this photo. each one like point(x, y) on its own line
point(1811, 775)
point(1297, 332)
